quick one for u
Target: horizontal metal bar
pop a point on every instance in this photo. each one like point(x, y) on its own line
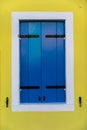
point(28, 36)
point(55, 87)
point(55, 36)
point(37, 36)
point(29, 87)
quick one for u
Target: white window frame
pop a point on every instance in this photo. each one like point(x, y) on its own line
point(69, 53)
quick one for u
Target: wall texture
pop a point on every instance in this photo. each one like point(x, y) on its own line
point(76, 120)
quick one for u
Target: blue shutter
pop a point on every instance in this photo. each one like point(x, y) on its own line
point(24, 63)
point(61, 62)
point(42, 62)
point(35, 62)
point(48, 62)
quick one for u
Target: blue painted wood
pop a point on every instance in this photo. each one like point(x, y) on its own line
point(24, 63)
point(61, 27)
point(42, 62)
point(48, 61)
point(61, 95)
point(60, 62)
point(35, 61)
point(24, 28)
point(24, 96)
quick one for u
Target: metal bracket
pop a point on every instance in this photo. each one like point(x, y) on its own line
point(7, 102)
point(80, 101)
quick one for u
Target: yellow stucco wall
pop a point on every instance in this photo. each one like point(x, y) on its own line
point(76, 120)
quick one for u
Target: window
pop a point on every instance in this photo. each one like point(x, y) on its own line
point(42, 62)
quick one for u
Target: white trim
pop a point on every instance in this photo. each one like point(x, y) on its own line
point(42, 107)
point(68, 17)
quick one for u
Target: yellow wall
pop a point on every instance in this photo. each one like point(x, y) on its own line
point(76, 120)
